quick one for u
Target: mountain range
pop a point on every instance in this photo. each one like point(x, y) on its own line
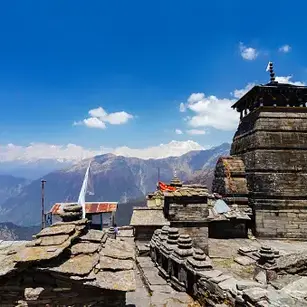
point(115, 178)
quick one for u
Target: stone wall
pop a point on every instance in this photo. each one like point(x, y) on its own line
point(230, 181)
point(189, 269)
point(199, 233)
point(272, 142)
point(144, 233)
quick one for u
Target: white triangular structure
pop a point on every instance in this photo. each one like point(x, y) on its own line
point(268, 67)
point(81, 200)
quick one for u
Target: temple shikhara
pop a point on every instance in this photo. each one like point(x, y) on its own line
point(268, 159)
point(241, 243)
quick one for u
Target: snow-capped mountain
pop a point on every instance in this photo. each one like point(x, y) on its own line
point(115, 178)
point(36, 160)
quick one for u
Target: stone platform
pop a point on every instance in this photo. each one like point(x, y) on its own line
point(287, 290)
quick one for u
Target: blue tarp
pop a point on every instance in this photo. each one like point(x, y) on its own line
point(221, 207)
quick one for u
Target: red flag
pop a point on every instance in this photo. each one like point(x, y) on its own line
point(165, 187)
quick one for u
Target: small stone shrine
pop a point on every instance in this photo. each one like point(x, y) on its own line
point(187, 209)
point(271, 141)
point(68, 265)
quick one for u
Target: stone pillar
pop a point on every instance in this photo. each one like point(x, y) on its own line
point(178, 256)
point(195, 265)
point(160, 241)
point(166, 249)
point(152, 245)
point(111, 233)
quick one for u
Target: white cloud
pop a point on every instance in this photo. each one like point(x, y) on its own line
point(178, 131)
point(174, 148)
point(94, 122)
point(211, 112)
point(248, 53)
point(99, 118)
point(196, 132)
point(43, 151)
point(286, 79)
point(75, 153)
point(285, 48)
point(182, 107)
point(240, 93)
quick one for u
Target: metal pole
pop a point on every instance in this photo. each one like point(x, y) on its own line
point(43, 203)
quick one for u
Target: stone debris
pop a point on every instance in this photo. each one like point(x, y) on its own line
point(255, 294)
point(243, 260)
point(66, 257)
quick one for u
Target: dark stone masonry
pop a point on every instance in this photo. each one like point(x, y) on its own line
point(271, 141)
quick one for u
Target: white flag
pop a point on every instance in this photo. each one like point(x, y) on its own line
point(83, 192)
point(268, 67)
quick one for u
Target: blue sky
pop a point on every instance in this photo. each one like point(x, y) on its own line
point(61, 59)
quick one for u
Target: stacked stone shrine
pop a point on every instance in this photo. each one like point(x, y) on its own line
point(271, 140)
point(178, 257)
point(166, 249)
point(160, 240)
point(186, 208)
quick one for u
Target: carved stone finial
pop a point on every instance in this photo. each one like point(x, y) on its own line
point(270, 68)
point(199, 261)
point(111, 233)
point(184, 247)
point(176, 182)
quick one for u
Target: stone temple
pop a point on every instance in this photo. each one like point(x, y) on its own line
point(268, 159)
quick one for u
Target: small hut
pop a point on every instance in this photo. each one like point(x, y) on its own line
point(100, 214)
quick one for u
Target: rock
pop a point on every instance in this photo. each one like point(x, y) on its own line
point(246, 249)
point(62, 229)
point(246, 284)
point(93, 236)
point(107, 263)
point(284, 280)
point(297, 289)
point(243, 260)
point(121, 280)
point(262, 303)
point(220, 278)
point(261, 277)
point(229, 285)
point(32, 294)
point(78, 265)
point(84, 248)
point(255, 294)
point(210, 274)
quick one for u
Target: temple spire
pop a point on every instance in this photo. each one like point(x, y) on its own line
point(176, 182)
point(270, 68)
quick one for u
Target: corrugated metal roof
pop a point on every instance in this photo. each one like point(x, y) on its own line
point(91, 208)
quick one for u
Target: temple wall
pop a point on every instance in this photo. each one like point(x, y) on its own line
point(282, 223)
point(272, 142)
point(198, 233)
point(230, 180)
point(144, 233)
point(188, 212)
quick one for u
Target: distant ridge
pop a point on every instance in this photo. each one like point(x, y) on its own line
point(115, 178)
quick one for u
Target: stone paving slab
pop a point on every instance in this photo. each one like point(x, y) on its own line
point(151, 275)
point(145, 262)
